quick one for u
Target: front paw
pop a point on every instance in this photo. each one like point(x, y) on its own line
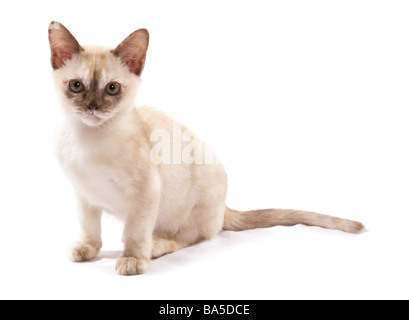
point(128, 266)
point(81, 251)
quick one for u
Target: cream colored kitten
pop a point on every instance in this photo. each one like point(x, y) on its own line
point(138, 164)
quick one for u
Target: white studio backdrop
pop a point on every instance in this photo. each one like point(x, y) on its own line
point(306, 104)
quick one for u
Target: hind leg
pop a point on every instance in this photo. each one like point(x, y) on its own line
point(204, 222)
point(162, 245)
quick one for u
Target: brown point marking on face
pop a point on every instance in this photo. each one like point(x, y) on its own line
point(94, 95)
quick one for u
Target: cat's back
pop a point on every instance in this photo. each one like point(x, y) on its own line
point(158, 120)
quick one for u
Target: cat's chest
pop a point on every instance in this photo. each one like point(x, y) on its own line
point(93, 175)
point(98, 185)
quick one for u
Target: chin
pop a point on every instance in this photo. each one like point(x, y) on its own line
point(92, 120)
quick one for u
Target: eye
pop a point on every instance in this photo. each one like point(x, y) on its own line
point(113, 88)
point(76, 86)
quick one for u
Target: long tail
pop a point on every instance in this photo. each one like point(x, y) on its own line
point(243, 220)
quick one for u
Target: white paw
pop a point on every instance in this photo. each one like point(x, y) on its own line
point(128, 266)
point(81, 251)
point(162, 247)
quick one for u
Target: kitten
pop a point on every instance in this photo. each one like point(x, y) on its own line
point(169, 198)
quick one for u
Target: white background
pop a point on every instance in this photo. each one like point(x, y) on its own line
point(305, 102)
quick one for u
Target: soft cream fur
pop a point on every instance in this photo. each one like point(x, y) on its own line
point(165, 207)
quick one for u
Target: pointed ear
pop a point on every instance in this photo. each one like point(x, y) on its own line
point(132, 51)
point(62, 43)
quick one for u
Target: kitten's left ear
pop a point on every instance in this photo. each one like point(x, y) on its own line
point(62, 43)
point(132, 51)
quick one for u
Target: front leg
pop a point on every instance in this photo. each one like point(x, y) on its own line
point(142, 209)
point(90, 242)
point(137, 239)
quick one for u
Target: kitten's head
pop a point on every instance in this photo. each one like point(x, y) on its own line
point(96, 83)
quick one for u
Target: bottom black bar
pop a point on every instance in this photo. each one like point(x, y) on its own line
point(202, 309)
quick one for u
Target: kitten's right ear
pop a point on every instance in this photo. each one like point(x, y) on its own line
point(62, 43)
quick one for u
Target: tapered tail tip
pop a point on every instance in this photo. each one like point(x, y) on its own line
point(354, 227)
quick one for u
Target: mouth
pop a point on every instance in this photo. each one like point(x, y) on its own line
point(91, 115)
point(91, 119)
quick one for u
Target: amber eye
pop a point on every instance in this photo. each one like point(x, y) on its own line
point(113, 88)
point(76, 86)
